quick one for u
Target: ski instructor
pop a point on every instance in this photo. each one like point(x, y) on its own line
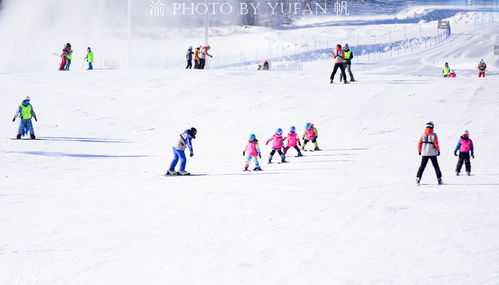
point(184, 141)
point(429, 149)
point(339, 62)
point(25, 112)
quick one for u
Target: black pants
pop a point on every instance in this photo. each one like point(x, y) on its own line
point(278, 151)
point(202, 62)
point(196, 64)
point(348, 67)
point(305, 141)
point(296, 147)
point(341, 66)
point(464, 157)
point(189, 64)
point(424, 161)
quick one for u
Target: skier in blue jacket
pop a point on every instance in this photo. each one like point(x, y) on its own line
point(25, 112)
point(185, 141)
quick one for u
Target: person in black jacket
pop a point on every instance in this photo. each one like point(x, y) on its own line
point(188, 56)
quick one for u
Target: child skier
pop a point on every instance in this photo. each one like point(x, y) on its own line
point(429, 150)
point(481, 68)
point(188, 57)
point(25, 112)
point(90, 58)
point(184, 141)
point(452, 73)
point(69, 55)
point(310, 134)
point(277, 144)
point(196, 58)
point(293, 141)
point(465, 148)
point(252, 151)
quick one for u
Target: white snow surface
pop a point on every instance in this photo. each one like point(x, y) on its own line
point(88, 204)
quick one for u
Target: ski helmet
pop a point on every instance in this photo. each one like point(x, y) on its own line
point(278, 131)
point(292, 129)
point(308, 126)
point(346, 46)
point(190, 47)
point(88, 48)
point(193, 132)
point(252, 137)
point(68, 45)
point(466, 133)
point(430, 125)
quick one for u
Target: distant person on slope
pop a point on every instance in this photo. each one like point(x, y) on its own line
point(277, 145)
point(203, 55)
point(446, 70)
point(90, 59)
point(293, 141)
point(252, 152)
point(429, 150)
point(264, 66)
point(196, 58)
point(25, 112)
point(465, 148)
point(64, 58)
point(188, 56)
point(185, 141)
point(339, 60)
point(69, 55)
point(452, 73)
point(481, 68)
point(348, 62)
point(310, 134)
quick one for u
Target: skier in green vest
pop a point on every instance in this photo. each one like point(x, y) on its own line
point(348, 62)
point(446, 70)
point(26, 112)
point(90, 58)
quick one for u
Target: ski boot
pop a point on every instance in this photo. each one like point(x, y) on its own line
point(270, 160)
point(331, 81)
point(457, 173)
point(32, 136)
point(418, 180)
point(468, 173)
point(299, 154)
point(258, 168)
point(183, 173)
point(245, 168)
point(18, 137)
point(440, 182)
point(171, 172)
point(317, 148)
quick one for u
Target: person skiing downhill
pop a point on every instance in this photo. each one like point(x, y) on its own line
point(202, 56)
point(185, 141)
point(25, 112)
point(90, 58)
point(277, 145)
point(465, 148)
point(481, 68)
point(310, 134)
point(348, 62)
point(252, 152)
point(196, 58)
point(293, 141)
point(446, 70)
point(429, 149)
point(188, 57)
point(339, 61)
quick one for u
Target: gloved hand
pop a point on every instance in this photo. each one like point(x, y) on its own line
point(244, 153)
point(192, 154)
point(419, 153)
point(260, 156)
point(211, 56)
point(438, 153)
point(14, 119)
point(473, 155)
point(455, 153)
point(36, 119)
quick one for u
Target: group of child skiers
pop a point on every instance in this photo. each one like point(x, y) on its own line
point(67, 56)
point(449, 72)
point(277, 140)
point(199, 55)
point(429, 149)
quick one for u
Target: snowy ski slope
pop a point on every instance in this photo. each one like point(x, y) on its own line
point(88, 204)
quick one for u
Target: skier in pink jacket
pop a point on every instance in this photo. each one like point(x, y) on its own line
point(277, 145)
point(293, 141)
point(252, 151)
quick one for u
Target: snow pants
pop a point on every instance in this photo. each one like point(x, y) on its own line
point(279, 151)
point(248, 160)
point(424, 161)
point(288, 147)
point(24, 126)
point(68, 64)
point(189, 64)
point(196, 64)
point(464, 157)
point(341, 66)
point(202, 63)
point(63, 63)
point(481, 74)
point(90, 66)
point(348, 67)
point(178, 154)
point(305, 141)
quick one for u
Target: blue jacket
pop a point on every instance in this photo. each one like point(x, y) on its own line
point(184, 141)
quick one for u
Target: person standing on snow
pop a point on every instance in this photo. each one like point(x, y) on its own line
point(481, 68)
point(25, 112)
point(185, 141)
point(446, 70)
point(348, 62)
point(310, 134)
point(64, 59)
point(293, 141)
point(90, 58)
point(69, 56)
point(339, 60)
point(196, 58)
point(252, 152)
point(429, 149)
point(465, 148)
point(188, 57)
point(202, 56)
point(277, 145)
